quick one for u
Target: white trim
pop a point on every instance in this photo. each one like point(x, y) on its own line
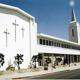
point(16, 9)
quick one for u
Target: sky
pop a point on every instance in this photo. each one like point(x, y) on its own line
point(52, 16)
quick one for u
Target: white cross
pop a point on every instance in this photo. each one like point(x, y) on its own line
point(15, 28)
point(23, 32)
point(6, 32)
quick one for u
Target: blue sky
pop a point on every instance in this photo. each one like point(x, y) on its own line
point(52, 16)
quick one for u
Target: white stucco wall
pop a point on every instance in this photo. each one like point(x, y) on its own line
point(22, 45)
point(75, 27)
point(33, 38)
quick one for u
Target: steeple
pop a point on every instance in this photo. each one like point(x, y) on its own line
point(73, 15)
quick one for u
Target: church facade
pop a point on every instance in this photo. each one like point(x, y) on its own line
point(18, 35)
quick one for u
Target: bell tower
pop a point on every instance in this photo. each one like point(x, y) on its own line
point(74, 29)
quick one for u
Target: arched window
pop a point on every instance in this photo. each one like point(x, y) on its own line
point(73, 32)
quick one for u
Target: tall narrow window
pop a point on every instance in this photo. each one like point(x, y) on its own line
point(40, 41)
point(43, 42)
point(73, 32)
point(52, 43)
point(46, 42)
point(49, 43)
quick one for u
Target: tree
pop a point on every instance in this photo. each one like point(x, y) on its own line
point(18, 60)
point(35, 59)
point(1, 59)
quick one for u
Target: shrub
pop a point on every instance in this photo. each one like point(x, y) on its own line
point(10, 68)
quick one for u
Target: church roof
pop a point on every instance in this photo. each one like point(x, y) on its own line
point(16, 9)
point(57, 39)
point(73, 15)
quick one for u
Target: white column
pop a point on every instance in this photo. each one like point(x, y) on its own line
point(52, 59)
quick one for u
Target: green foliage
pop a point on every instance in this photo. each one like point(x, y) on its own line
point(10, 68)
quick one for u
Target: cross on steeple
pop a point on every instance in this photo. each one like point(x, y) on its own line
point(23, 32)
point(6, 32)
point(15, 24)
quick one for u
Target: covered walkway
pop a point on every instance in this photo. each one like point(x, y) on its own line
point(58, 59)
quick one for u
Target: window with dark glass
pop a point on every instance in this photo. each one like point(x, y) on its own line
point(46, 42)
point(73, 32)
point(54, 43)
point(64, 45)
point(40, 41)
point(72, 47)
point(78, 48)
point(59, 44)
point(67, 46)
point(43, 42)
point(49, 43)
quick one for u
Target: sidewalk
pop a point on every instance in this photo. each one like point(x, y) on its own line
point(42, 72)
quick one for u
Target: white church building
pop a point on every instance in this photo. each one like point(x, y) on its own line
point(18, 35)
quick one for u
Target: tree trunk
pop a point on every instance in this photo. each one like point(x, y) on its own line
point(18, 67)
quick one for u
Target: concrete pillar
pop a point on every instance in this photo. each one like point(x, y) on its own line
point(52, 63)
point(52, 59)
point(64, 56)
point(43, 59)
point(70, 59)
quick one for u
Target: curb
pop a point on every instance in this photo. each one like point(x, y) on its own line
point(35, 76)
point(32, 76)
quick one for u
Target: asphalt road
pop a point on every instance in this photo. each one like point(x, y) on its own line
point(73, 74)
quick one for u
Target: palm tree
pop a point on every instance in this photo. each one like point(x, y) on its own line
point(35, 59)
point(1, 59)
point(19, 60)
